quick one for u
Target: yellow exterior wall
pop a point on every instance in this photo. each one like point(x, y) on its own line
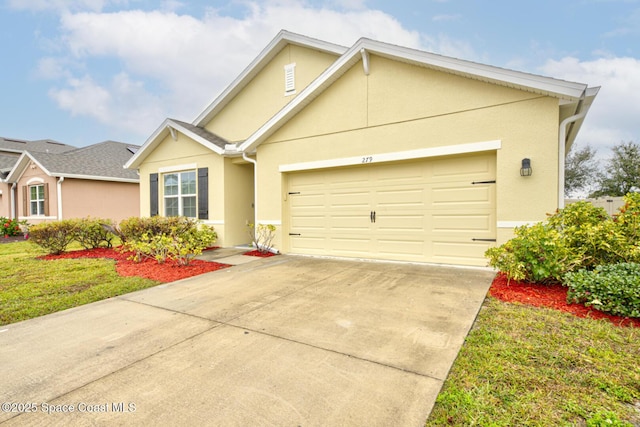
point(238, 207)
point(264, 96)
point(172, 153)
point(401, 107)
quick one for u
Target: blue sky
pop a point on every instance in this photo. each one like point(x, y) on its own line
point(84, 71)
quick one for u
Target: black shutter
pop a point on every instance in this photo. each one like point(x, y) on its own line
point(203, 193)
point(153, 184)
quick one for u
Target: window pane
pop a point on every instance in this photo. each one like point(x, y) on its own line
point(189, 206)
point(34, 208)
point(188, 183)
point(34, 192)
point(41, 192)
point(171, 185)
point(171, 206)
point(41, 207)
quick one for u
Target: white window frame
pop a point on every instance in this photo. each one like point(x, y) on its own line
point(39, 202)
point(180, 196)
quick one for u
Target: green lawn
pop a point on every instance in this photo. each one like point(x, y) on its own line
point(526, 366)
point(520, 366)
point(30, 287)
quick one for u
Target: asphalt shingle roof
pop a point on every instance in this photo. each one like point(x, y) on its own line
point(105, 159)
point(209, 136)
point(40, 146)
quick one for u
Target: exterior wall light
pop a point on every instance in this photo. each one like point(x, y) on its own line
point(526, 170)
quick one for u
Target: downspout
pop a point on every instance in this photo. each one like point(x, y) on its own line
point(255, 188)
point(13, 201)
point(562, 152)
point(59, 186)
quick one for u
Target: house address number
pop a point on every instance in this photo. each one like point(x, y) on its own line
point(367, 159)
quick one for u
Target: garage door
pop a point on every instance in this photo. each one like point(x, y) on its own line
point(439, 211)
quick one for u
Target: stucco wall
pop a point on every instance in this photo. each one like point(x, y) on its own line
point(238, 208)
point(265, 94)
point(5, 200)
point(83, 198)
point(401, 107)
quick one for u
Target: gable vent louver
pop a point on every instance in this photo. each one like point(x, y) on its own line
point(289, 79)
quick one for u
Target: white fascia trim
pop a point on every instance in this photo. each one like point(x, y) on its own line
point(96, 178)
point(514, 224)
point(269, 222)
point(557, 87)
point(177, 168)
point(196, 137)
point(368, 158)
point(276, 45)
point(21, 218)
point(21, 165)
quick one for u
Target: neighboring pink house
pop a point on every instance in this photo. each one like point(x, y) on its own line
point(53, 181)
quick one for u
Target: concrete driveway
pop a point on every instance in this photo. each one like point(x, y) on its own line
point(282, 341)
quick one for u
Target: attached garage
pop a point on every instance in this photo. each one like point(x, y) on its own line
point(437, 210)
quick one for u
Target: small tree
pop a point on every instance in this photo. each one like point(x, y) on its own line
point(581, 170)
point(622, 172)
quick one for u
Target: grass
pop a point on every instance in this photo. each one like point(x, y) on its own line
point(526, 366)
point(30, 287)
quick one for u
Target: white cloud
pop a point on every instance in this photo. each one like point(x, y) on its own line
point(62, 5)
point(186, 61)
point(614, 115)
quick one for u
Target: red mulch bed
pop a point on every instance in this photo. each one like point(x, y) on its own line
point(259, 254)
point(551, 296)
point(170, 271)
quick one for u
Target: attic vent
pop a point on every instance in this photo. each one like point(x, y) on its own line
point(289, 79)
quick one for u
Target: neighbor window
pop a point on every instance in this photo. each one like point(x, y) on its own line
point(36, 199)
point(180, 194)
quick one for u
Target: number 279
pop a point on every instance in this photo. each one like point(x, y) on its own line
point(368, 159)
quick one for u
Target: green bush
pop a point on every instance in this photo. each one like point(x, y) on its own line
point(537, 253)
point(11, 227)
point(91, 234)
point(613, 288)
point(54, 236)
point(578, 236)
point(163, 238)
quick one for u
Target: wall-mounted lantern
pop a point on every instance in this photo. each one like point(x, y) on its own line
point(525, 169)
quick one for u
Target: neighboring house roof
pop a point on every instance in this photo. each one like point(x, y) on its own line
point(568, 92)
point(11, 145)
point(282, 39)
point(102, 161)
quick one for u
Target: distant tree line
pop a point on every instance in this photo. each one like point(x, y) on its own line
point(618, 176)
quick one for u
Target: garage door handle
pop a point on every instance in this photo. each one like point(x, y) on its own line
point(483, 240)
point(372, 216)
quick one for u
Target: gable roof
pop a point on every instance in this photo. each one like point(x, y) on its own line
point(10, 145)
point(208, 139)
point(568, 92)
point(102, 161)
point(168, 127)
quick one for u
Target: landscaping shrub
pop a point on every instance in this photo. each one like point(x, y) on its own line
point(613, 288)
point(578, 236)
point(54, 236)
point(91, 234)
point(537, 253)
point(11, 227)
point(163, 238)
point(262, 236)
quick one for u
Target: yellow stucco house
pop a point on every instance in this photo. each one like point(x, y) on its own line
point(372, 151)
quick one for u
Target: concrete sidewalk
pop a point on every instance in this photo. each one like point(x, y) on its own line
point(279, 341)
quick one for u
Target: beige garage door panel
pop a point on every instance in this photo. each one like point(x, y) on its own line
point(424, 211)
